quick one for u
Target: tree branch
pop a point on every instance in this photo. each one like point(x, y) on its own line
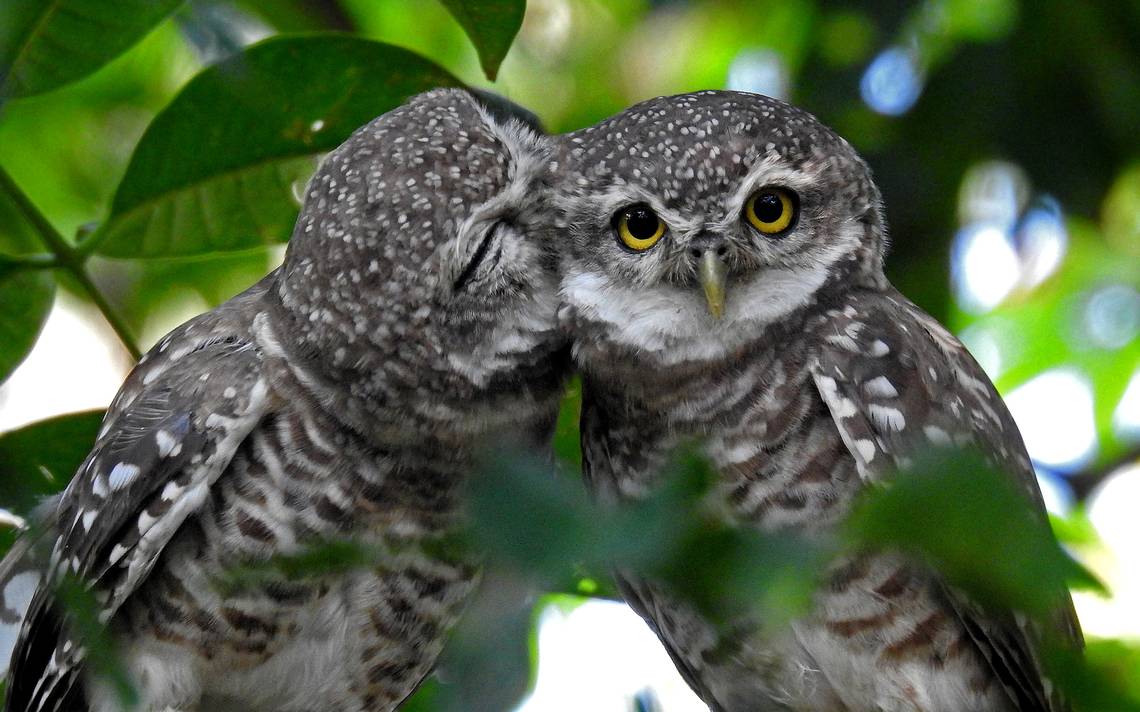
point(68, 258)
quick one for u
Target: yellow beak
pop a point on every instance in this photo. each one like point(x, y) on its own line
point(712, 275)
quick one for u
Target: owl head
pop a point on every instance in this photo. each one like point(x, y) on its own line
point(694, 222)
point(420, 277)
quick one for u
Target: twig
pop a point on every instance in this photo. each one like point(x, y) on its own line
point(1084, 481)
point(68, 258)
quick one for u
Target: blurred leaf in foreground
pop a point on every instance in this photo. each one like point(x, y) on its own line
point(1106, 678)
point(487, 663)
point(527, 518)
point(955, 511)
point(102, 654)
point(965, 517)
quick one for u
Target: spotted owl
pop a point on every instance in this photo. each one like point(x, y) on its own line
point(342, 398)
point(723, 282)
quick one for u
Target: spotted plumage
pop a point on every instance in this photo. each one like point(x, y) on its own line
point(760, 323)
point(342, 397)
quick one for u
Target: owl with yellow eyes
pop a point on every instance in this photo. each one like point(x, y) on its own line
point(723, 282)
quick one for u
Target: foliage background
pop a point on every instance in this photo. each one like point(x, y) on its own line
point(150, 152)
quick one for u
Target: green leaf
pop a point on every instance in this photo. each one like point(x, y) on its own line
point(39, 459)
point(527, 518)
point(491, 25)
point(27, 297)
point(103, 652)
point(26, 294)
point(486, 665)
point(215, 170)
point(426, 698)
point(44, 45)
point(966, 517)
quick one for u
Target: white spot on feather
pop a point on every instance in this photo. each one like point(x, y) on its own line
point(843, 407)
point(880, 387)
point(117, 552)
point(879, 348)
point(827, 384)
point(19, 590)
point(165, 442)
point(122, 475)
point(89, 519)
point(887, 418)
point(866, 449)
point(844, 342)
point(936, 435)
point(17, 595)
point(171, 491)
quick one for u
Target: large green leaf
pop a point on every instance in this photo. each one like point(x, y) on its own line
point(46, 44)
point(27, 298)
point(39, 459)
point(491, 25)
point(981, 532)
point(25, 295)
point(215, 169)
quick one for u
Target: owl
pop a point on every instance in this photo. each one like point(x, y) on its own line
point(723, 282)
point(342, 398)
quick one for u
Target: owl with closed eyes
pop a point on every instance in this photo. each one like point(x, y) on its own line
point(343, 400)
point(723, 282)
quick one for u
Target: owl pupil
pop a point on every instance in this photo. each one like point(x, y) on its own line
point(768, 207)
point(641, 223)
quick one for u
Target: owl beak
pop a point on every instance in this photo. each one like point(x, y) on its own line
point(712, 271)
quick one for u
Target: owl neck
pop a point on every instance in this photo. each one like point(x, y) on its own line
point(311, 358)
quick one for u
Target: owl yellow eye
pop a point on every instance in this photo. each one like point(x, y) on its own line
point(771, 210)
point(638, 227)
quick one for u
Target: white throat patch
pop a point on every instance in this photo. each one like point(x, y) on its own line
point(673, 322)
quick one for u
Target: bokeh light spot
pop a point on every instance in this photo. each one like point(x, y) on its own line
point(984, 266)
point(1112, 316)
point(575, 672)
point(48, 383)
point(759, 71)
point(993, 192)
point(1112, 511)
point(1054, 412)
point(1126, 417)
point(892, 82)
point(984, 347)
point(1056, 492)
point(1043, 241)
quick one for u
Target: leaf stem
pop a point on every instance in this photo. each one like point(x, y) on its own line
point(67, 257)
point(109, 313)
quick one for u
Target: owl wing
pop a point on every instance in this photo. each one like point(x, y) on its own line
point(598, 463)
point(896, 384)
point(170, 433)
